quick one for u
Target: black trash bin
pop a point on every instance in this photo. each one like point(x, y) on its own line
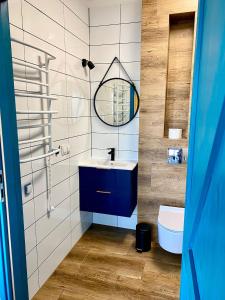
point(143, 237)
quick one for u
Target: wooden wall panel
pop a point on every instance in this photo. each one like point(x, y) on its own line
point(156, 177)
point(166, 179)
point(181, 35)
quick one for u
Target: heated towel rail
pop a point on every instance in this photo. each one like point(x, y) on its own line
point(43, 94)
point(39, 77)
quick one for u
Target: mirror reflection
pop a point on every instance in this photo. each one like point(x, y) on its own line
point(116, 102)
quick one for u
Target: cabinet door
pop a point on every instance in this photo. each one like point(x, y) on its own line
point(96, 189)
point(97, 178)
point(106, 191)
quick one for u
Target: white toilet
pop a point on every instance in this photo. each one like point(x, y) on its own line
point(170, 228)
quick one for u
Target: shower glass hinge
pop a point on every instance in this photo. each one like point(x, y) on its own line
point(2, 193)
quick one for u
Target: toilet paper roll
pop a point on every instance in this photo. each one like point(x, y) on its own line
point(175, 133)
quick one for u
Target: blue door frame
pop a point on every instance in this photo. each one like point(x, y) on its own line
point(5, 268)
point(16, 286)
point(203, 261)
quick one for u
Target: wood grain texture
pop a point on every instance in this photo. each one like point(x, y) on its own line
point(180, 51)
point(104, 265)
point(168, 179)
point(158, 183)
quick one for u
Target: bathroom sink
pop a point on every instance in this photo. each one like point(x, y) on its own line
point(107, 164)
point(117, 164)
point(108, 187)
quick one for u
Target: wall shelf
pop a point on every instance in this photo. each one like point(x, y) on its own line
point(179, 71)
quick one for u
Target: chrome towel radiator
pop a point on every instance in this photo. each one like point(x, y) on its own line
point(40, 79)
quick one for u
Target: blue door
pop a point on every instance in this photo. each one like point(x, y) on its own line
point(203, 263)
point(13, 274)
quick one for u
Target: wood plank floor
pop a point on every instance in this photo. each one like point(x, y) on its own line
point(104, 265)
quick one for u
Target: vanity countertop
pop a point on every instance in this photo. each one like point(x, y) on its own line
point(107, 164)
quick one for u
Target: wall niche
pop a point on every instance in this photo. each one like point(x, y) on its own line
point(179, 72)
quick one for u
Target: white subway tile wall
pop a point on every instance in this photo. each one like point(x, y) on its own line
point(107, 23)
point(61, 28)
point(115, 30)
point(70, 31)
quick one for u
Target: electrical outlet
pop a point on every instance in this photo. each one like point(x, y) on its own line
point(64, 149)
point(28, 189)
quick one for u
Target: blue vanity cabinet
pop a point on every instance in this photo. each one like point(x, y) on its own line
point(108, 191)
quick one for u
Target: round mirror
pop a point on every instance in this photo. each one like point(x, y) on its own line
point(116, 102)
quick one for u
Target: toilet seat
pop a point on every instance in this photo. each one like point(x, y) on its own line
point(170, 228)
point(171, 218)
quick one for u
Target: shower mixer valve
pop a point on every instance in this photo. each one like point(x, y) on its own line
point(175, 156)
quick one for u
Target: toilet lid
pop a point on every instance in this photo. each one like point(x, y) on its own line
point(172, 220)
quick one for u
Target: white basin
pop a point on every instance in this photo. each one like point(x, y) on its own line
point(107, 164)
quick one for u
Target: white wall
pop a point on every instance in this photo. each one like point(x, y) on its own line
point(115, 30)
point(60, 27)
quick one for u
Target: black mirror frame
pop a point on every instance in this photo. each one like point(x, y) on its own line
point(138, 98)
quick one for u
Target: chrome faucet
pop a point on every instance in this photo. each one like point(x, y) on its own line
point(112, 153)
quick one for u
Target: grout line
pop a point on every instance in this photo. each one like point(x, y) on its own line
point(56, 227)
point(62, 96)
point(123, 62)
point(90, 87)
point(111, 133)
point(122, 43)
point(97, 82)
point(47, 42)
point(82, 152)
point(31, 167)
point(56, 141)
point(38, 266)
point(66, 80)
point(111, 44)
point(34, 64)
point(69, 138)
point(33, 172)
point(69, 75)
point(86, 44)
point(135, 80)
point(73, 12)
point(54, 70)
point(75, 77)
point(116, 24)
point(37, 219)
point(103, 149)
point(55, 21)
point(118, 138)
point(70, 233)
point(35, 196)
point(63, 201)
point(44, 215)
point(114, 133)
point(59, 118)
